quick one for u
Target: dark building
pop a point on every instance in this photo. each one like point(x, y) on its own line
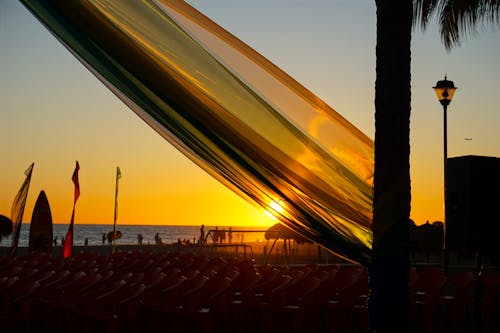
point(473, 205)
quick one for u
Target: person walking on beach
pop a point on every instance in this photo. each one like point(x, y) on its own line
point(215, 235)
point(139, 239)
point(222, 236)
point(103, 238)
point(202, 235)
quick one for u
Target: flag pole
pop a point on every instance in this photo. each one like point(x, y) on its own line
point(118, 176)
point(68, 240)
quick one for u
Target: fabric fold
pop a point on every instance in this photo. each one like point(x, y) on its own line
point(230, 110)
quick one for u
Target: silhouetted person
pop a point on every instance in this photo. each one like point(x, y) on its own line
point(86, 241)
point(222, 236)
point(55, 241)
point(103, 238)
point(215, 235)
point(202, 234)
point(158, 239)
point(139, 239)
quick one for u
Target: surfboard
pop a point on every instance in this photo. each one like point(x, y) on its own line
point(41, 226)
point(118, 234)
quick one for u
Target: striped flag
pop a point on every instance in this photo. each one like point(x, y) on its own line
point(17, 210)
point(68, 240)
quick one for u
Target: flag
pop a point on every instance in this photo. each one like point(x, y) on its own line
point(74, 178)
point(17, 209)
point(118, 176)
point(68, 240)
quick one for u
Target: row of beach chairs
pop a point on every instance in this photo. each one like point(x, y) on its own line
point(186, 292)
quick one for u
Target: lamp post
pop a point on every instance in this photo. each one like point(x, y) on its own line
point(445, 90)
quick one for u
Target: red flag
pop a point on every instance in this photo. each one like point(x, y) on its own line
point(75, 181)
point(68, 240)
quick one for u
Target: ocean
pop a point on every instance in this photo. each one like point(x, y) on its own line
point(168, 234)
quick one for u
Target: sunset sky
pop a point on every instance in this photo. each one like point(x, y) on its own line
point(53, 111)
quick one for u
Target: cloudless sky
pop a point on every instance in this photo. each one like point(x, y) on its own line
point(53, 112)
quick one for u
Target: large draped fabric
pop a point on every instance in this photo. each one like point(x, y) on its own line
point(230, 110)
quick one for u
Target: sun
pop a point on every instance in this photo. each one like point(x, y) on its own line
point(274, 208)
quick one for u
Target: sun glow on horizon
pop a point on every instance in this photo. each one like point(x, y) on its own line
point(274, 208)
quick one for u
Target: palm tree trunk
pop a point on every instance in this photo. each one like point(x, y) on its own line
point(389, 298)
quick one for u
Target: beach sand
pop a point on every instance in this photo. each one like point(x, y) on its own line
point(260, 251)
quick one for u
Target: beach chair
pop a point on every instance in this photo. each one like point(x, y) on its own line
point(4, 262)
point(458, 302)
point(10, 270)
point(342, 278)
point(253, 313)
point(347, 310)
point(171, 271)
point(206, 310)
point(246, 279)
point(168, 289)
point(73, 264)
point(70, 298)
point(78, 319)
point(294, 304)
point(162, 313)
point(242, 288)
point(44, 276)
point(56, 264)
point(490, 303)
point(246, 264)
point(156, 284)
point(426, 300)
point(47, 297)
point(15, 305)
point(268, 274)
point(103, 313)
point(7, 282)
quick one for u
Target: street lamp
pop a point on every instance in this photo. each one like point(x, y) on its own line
point(445, 90)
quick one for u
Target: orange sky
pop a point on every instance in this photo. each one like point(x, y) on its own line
point(53, 112)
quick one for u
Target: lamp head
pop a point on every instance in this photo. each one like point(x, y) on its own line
point(445, 90)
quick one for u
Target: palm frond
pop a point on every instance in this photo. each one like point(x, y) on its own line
point(457, 19)
point(423, 11)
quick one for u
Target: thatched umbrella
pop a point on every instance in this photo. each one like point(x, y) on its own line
point(279, 230)
point(5, 226)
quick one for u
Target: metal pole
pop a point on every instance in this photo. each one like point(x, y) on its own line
point(445, 150)
point(113, 239)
